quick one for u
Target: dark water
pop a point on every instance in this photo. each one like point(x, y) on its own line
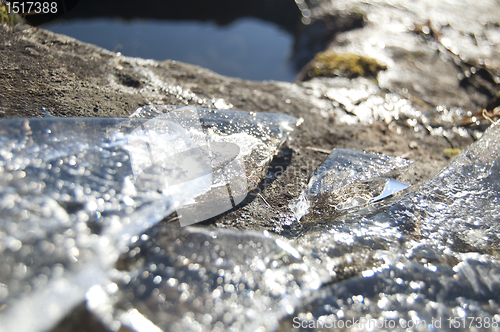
point(247, 48)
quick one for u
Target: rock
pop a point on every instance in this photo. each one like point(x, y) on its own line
point(435, 53)
point(71, 78)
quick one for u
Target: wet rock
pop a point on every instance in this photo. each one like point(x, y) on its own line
point(70, 78)
point(434, 52)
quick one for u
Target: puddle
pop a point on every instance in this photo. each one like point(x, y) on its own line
point(247, 48)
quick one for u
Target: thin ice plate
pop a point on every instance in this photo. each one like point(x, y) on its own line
point(74, 193)
point(348, 179)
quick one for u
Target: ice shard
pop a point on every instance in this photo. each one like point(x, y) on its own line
point(240, 145)
point(207, 279)
point(429, 257)
point(74, 192)
point(460, 205)
point(350, 178)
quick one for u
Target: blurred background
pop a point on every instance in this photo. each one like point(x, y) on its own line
point(247, 39)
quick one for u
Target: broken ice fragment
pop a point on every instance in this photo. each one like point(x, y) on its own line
point(212, 278)
point(459, 205)
point(435, 248)
point(239, 145)
point(69, 207)
point(350, 178)
point(413, 294)
point(74, 192)
point(392, 263)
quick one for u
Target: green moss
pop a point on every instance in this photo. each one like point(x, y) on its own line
point(8, 18)
point(350, 65)
point(454, 152)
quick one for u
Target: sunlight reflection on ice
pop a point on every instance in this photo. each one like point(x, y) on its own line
point(75, 192)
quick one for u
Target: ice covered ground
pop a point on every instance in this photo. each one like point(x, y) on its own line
point(76, 192)
point(74, 223)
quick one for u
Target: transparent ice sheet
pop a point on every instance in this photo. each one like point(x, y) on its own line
point(74, 192)
point(69, 206)
point(207, 279)
point(240, 144)
point(350, 178)
point(377, 264)
point(428, 254)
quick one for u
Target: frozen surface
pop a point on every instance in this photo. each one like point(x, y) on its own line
point(347, 179)
point(431, 255)
point(208, 279)
point(74, 192)
point(240, 146)
point(68, 207)
point(424, 297)
point(426, 256)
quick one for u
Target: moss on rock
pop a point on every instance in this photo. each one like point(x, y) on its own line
point(330, 63)
point(8, 18)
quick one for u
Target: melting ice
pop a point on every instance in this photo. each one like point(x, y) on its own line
point(75, 191)
point(376, 264)
point(240, 146)
point(427, 254)
point(207, 279)
point(350, 178)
